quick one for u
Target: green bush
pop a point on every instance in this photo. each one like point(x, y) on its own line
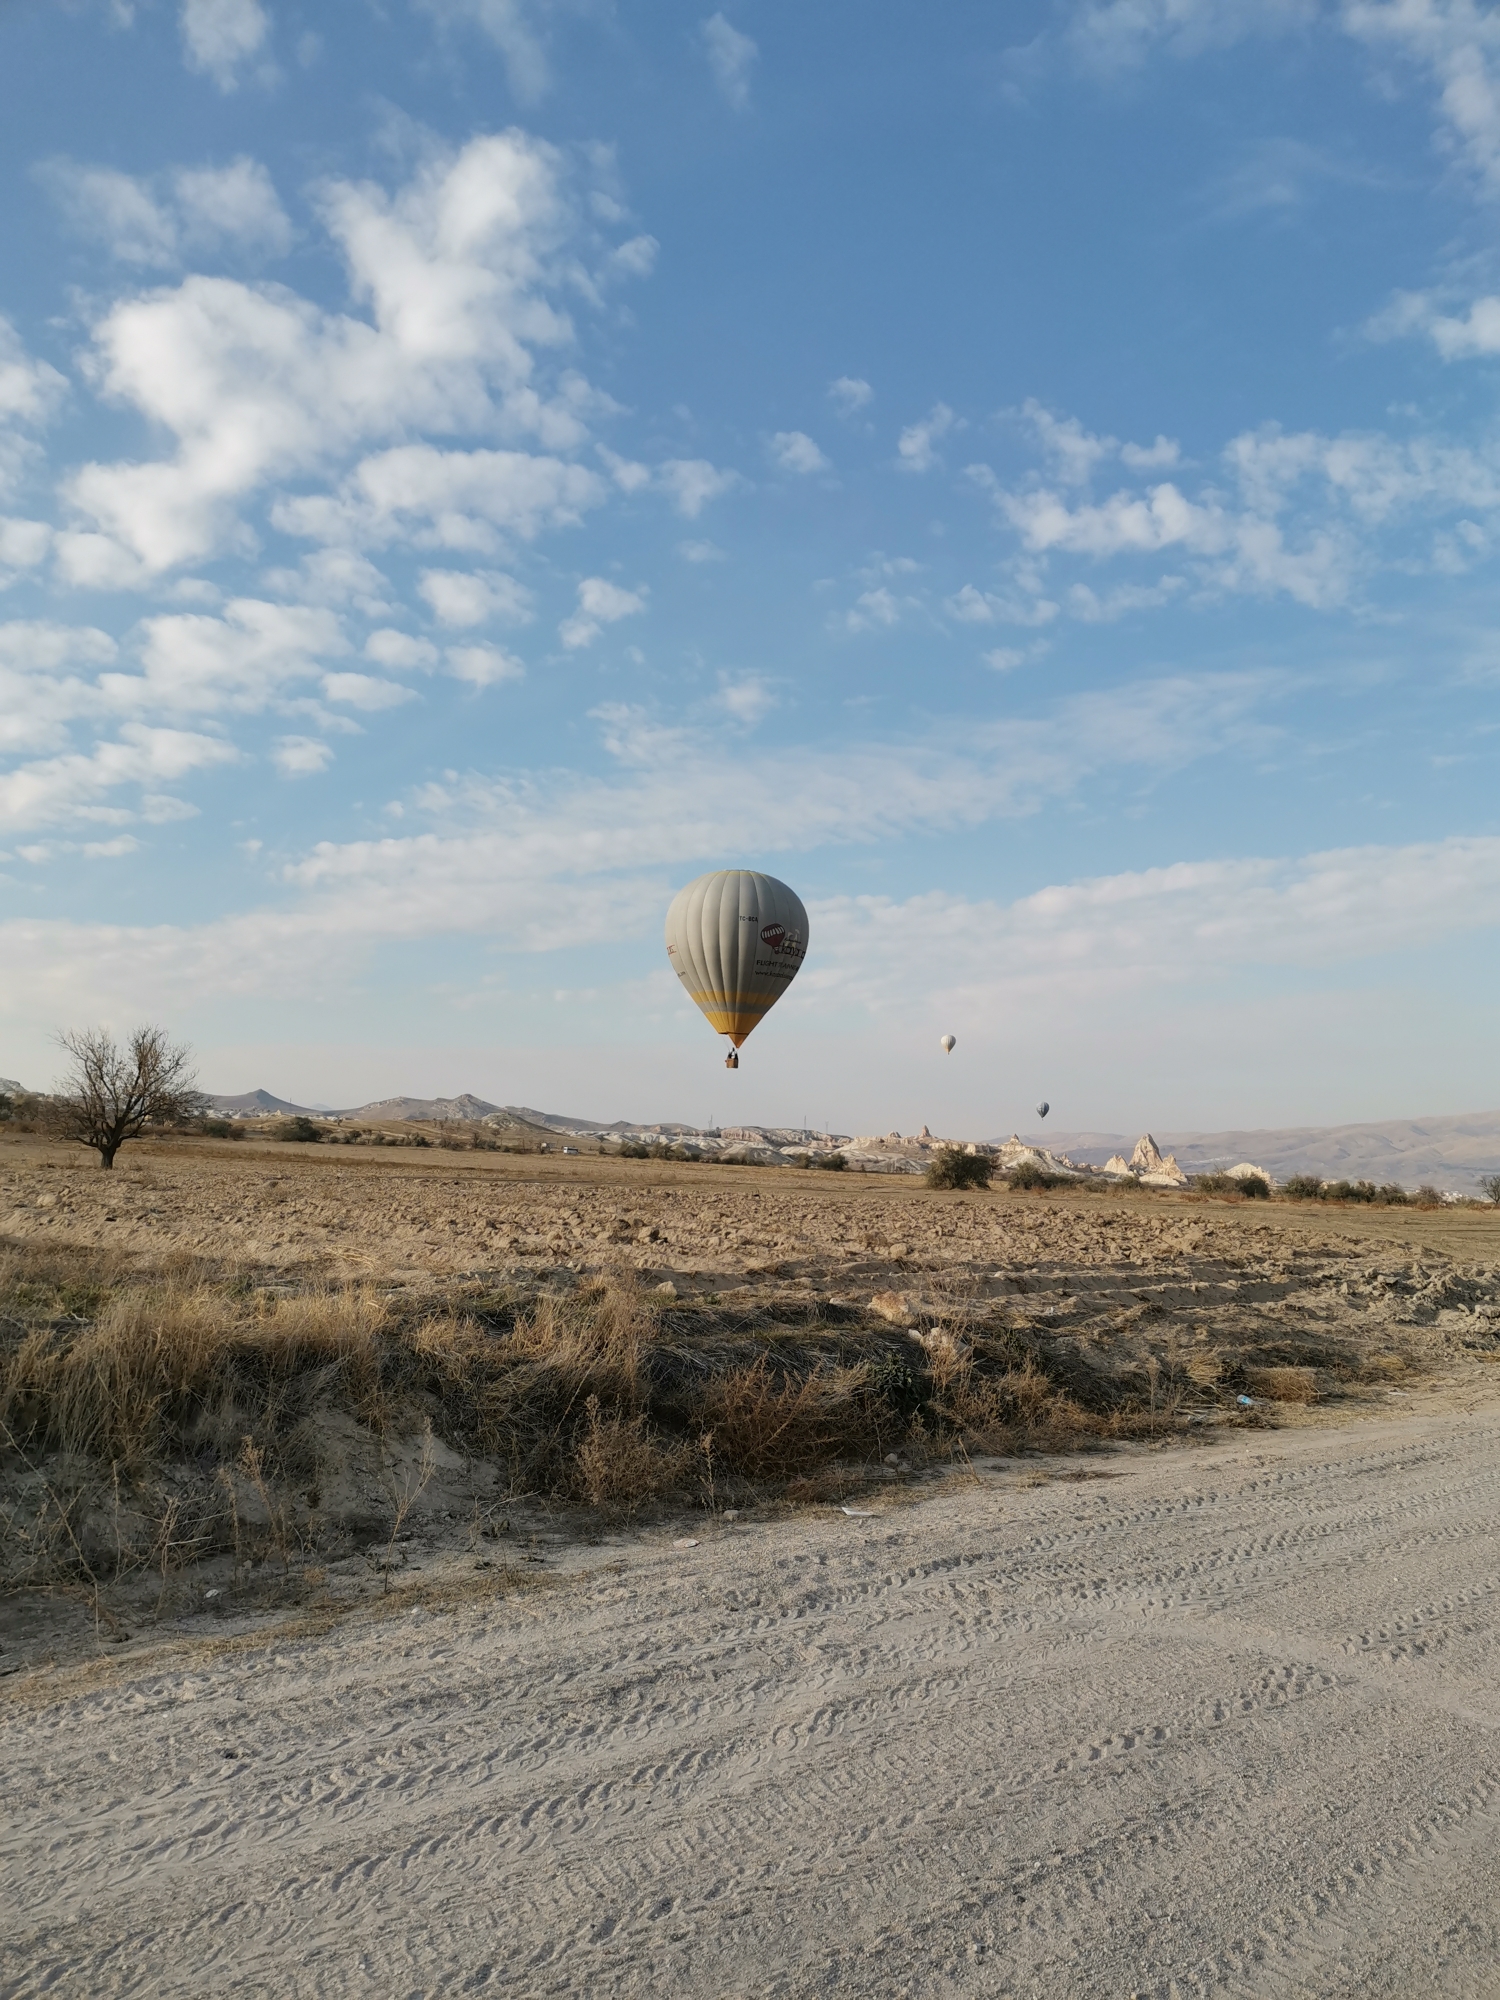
point(1303, 1187)
point(950, 1168)
point(1391, 1195)
point(1029, 1175)
point(221, 1128)
point(300, 1131)
point(1254, 1187)
point(835, 1163)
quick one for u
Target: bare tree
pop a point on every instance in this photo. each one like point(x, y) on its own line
point(112, 1094)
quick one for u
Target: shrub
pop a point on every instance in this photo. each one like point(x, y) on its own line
point(1029, 1175)
point(1489, 1187)
point(1254, 1187)
point(632, 1149)
point(835, 1163)
point(949, 1168)
point(300, 1131)
point(1303, 1187)
point(1391, 1195)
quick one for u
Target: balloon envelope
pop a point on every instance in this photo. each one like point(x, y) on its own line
point(736, 940)
point(946, 1044)
point(1043, 1108)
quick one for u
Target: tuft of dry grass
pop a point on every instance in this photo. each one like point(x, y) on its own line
point(1283, 1385)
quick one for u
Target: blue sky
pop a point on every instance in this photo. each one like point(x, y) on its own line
point(1026, 475)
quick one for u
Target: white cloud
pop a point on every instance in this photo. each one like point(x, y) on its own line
point(364, 691)
point(794, 451)
point(635, 258)
point(220, 36)
point(693, 482)
point(749, 699)
point(1199, 917)
point(1458, 43)
point(259, 385)
point(875, 610)
point(23, 545)
point(336, 577)
point(157, 221)
point(731, 57)
point(460, 598)
point(1117, 34)
point(1302, 518)
point(193, 663)
point(849, 394)
point(1457, 337)
point(30, 391)
point(1455, 42)
point(460, 500)
point(579, 859)
point(401, 653)
point(483, 666)
point(987, 607)
point(600, 603)
point(690, 483)
point(700, 552)
point(1003, 659)
point(1072, 451)
point(915, 451)
point(1151, 457)
point(45, 683)
point(74, 785)
point(509, 26)
point(1094, 609)
point(301, 756)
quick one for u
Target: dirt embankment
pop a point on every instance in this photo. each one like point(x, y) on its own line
point(249, 1376)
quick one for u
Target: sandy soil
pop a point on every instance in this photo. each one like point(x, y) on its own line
point(1223, 1721)
point(1217, 1717)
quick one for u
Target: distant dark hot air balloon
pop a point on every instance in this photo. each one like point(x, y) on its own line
point(1043, 1108)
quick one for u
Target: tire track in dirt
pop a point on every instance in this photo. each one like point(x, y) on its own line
point(1205, 1727)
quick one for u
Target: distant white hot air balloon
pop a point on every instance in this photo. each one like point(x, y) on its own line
point(1043, 1108)
point(736, 940)
point(946, 1043)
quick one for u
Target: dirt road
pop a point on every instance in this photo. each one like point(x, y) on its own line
point(1219, 1721)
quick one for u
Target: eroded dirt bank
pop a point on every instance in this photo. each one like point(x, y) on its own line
point(1223, 1720)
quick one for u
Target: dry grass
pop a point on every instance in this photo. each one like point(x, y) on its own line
point(1283, 1385)
point(149, 1416)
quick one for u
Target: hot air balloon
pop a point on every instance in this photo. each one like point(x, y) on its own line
point(736, 940)
point(1043, 1108)
point(946, 1043)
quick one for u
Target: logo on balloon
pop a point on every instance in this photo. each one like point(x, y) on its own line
point(777, 938)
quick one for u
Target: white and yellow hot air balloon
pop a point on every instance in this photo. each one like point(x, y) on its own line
point(736, 940)
point(947, 1043)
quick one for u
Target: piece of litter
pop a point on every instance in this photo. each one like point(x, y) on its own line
point(212, 1593)
point(1246, 1402)
point(687, 1542)
point(859, 1513)
point(731, 1513)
